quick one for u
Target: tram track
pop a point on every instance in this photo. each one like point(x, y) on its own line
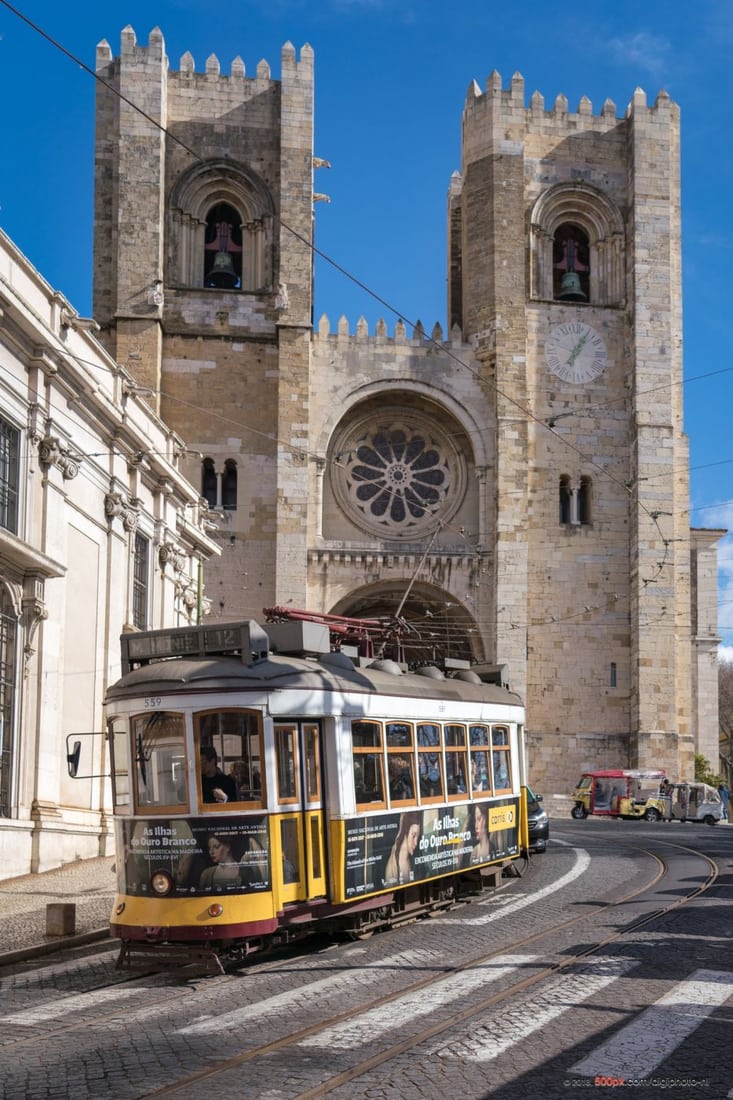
point(132, 995)
point(213, 1074)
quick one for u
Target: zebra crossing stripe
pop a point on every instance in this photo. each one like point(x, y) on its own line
point(563, 994)
point(639, 1048)
point(364, 1029)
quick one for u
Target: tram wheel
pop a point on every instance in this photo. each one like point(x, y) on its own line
point(579, 811)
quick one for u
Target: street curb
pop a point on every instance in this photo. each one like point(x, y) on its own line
point(59, 944)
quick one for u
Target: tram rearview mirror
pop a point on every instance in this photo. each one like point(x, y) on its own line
point(72, 759)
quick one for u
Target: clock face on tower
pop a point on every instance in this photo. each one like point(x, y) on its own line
point(575, 352)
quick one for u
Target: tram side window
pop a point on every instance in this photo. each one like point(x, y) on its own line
point(480, 775)
point(289, 844)
point(159, 753)
point(119, 743)
point(500, 758)
point(400, 762)
point(287, 781)
point(312, 763)
point(429, 762)
point(366, 744)
point(236, 735)
point(455, 761)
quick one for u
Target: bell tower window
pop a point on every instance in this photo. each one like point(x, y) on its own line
point(576, 247)
point(223, 248)
point(570, 264)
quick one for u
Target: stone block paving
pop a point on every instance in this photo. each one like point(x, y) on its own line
point(89, 885)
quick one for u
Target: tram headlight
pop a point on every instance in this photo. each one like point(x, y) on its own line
point(215, 910)
point(161, 883)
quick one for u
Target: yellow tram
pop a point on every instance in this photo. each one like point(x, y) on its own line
point(265, 786)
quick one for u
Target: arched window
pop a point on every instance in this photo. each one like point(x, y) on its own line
point(570, 264)
point(577, 246)
point(223, 248)
point(575, 502)
point(566, 497)
point(220, 229)
point(584, 500)
point(229, 485)
point(209, 484)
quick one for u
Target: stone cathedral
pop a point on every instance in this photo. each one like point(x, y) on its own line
point(514, 485)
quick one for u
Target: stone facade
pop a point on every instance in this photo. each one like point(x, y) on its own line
point(515, 503)
point(99, 534)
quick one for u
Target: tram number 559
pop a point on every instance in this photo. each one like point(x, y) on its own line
point(153, 702)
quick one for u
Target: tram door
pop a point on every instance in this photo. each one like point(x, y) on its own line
point(300, 845)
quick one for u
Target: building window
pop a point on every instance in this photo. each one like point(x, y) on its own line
point(575, 502)
point(612, 675)
point(209, 483)
point(8, 632)
point(223, 248)
point(584, 500)
point(140, 582)
point(229, 485)
point(9, 455)
point(566, 497)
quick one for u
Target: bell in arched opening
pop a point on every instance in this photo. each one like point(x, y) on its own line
point(222, 273)
point(570, 288)
point(571, 264)
point(224, 244)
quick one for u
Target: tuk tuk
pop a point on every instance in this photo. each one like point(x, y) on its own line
point(617, 792)
point(690, 801)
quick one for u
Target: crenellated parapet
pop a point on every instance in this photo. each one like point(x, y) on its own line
point(133, 54)
point(410, 337)
point(513, 99)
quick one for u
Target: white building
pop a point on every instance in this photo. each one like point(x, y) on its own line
point(99, 534)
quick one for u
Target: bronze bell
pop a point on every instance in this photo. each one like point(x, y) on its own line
point(570, 288)
point(222, 273)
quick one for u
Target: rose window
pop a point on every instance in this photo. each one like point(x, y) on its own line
point(401, 475)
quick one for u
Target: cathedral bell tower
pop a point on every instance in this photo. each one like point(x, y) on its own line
point(203, 287)
point(564, 270)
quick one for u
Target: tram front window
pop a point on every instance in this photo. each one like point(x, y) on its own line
point(158, 741)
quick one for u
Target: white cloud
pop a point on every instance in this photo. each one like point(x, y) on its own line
point(725, 654)
point(643, 51)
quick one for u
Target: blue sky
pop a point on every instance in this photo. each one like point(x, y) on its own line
point(391, 79)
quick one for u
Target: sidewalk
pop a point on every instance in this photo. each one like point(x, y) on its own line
point(89, 883)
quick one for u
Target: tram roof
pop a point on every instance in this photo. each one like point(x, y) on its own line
point(330, 672)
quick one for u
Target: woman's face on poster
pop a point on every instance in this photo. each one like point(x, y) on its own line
point(219, 852)
point(413, 835)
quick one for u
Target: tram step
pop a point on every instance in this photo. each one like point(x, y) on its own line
point(168, 956)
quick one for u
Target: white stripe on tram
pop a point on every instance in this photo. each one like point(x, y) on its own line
point(651, 1037)
point(356, 1032)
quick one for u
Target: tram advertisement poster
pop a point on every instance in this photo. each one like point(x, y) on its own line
point(203, 855)
point(392, 849)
